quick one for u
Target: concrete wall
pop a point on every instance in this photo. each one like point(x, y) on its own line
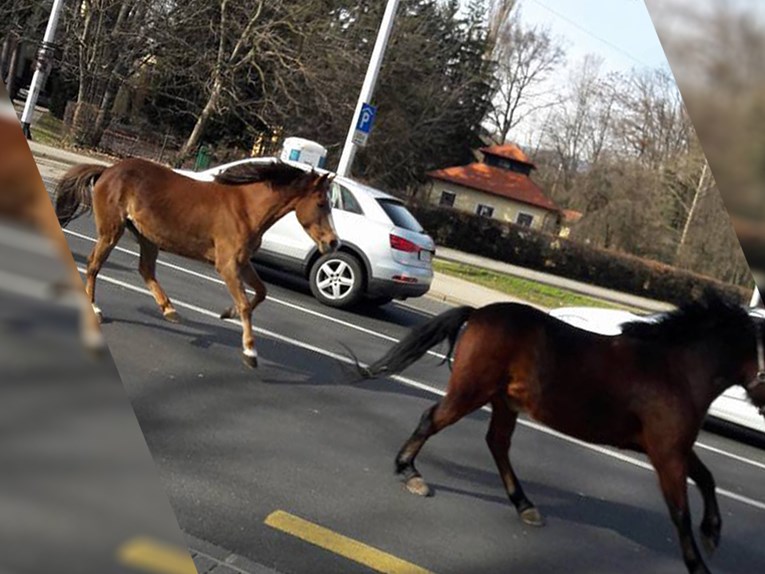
point(468, 199)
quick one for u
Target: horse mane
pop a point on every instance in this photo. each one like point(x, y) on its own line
point(696, 320)
point(276, 172)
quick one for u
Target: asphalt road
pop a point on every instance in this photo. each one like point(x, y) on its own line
point(235, 445)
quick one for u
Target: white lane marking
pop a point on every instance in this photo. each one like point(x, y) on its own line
point(422, 386)
point(268, 297)
point(731, 455)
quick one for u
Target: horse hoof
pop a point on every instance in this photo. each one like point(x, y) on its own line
point(99, 314)
point(532, 517)
point(172, 316)
point(418, 486)
point(250, 361)
point(229, 313)
point(710, 544)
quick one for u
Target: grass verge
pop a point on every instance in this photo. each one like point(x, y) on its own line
point(531, 291)
point(48, 130)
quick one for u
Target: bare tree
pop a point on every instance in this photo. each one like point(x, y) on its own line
point(526, 58)
point(578, 128)
point(109, 42)
point(653, 123)
point(250, 36)
point(22, 23)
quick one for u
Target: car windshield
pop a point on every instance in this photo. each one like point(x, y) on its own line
point(400, 215)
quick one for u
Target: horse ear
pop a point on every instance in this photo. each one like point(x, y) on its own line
point(323, 181)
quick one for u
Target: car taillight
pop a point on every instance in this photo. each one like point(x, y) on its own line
point(401, 244)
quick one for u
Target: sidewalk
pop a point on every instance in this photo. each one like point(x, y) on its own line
point(444, 287)
point(460, 292)
point(68, 158)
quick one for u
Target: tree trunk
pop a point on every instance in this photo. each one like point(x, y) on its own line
point(4, 55)
point(11, 83)
point(692, 211)
point(104, 116)
point(201, 125)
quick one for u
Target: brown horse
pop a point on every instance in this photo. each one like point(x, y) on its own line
point(24, 200)
point(220, 222)
point(647, 389)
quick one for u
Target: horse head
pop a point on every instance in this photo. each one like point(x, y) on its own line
point(314, 212)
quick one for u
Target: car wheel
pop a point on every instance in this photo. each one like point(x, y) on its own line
point(337, 279)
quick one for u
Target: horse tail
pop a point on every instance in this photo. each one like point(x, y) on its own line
point(418, 341)
point(74, 193)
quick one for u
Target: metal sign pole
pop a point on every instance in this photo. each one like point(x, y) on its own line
point(368, 87)
point(44, 63)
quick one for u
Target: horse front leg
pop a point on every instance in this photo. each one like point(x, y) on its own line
point(711, 524)
point(672, 469)
point(252, 279)
point(229, 270)
point(499, 439)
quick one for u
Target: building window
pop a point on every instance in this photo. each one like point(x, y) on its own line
point(447, 199)
point(484, 210)
point(524, 219)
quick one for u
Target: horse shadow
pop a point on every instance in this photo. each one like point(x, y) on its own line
point(200, 335)
point(645, 527)
point(82, 260)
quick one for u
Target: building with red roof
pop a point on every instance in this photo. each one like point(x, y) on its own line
point(500, 187)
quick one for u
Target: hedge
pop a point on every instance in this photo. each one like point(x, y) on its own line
point(559, 256)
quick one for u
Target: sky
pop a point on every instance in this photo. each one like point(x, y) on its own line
point(619, 31)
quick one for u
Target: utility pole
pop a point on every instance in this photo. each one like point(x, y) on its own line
point(349, 150)
point(43, 67)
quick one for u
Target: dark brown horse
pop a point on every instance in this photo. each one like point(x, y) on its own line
point(24, 200)
point(647, 389)
point(220, 222)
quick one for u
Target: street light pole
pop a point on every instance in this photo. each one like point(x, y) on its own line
point(368, 87)
point(44, 63)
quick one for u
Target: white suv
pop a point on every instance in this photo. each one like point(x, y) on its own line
point(384, 254)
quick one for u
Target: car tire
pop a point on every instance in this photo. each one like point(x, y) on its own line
point(337, 279)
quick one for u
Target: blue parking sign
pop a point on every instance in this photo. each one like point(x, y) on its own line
point(366, 118)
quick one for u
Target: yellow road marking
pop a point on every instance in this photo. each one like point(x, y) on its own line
point(347, 547)
point(152, 556)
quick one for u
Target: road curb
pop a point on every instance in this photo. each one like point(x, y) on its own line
point(209, 558)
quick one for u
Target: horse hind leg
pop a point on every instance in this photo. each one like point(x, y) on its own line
point(147, 267)
point(499, 438)
point(446, 412)
point(108, 236)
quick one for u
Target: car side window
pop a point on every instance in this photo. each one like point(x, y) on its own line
point(349, 202)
